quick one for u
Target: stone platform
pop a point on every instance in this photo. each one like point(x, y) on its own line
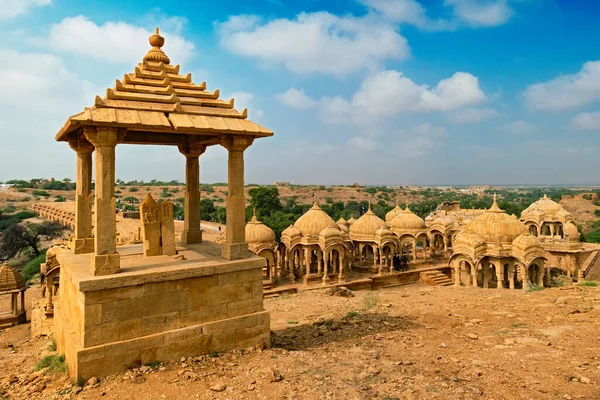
point(157, 308)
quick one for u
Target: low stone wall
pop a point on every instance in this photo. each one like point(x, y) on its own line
point(47, 211)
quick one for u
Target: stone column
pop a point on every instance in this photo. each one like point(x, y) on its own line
point(457, 275)
point(525, 273)
point(290, 265)
point(191, 206)
point(474, 276)
point(319, 262)
point(235, 246)
point(485, 270)
point(540, 275)
point(341, 277)
point(82, 241)
point(307, 260)
point(511, 276)
point(105, 259)
point(325, 268)
point(499, 275)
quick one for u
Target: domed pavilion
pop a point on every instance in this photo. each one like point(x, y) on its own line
point(555, 227)
point(410, 229)
point(261, 241)
point(373, 241)
point(313, 248)
point(495, 246)
point(12, 284)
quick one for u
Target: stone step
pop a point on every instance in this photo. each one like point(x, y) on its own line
point(435, 278)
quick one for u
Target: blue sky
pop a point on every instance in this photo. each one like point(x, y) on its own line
point(369, 91)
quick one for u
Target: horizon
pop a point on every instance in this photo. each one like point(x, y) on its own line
point(496, 92)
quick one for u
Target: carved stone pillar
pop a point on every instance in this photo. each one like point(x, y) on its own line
point(235, 246)
point(341, 276)
point(499, 275)
point(105, 259)
point(307, 260)
point(511, 276)
point(191, 207)
point(485, 270)
point(319, 262)
point(290, 265)
point(326, 258)
point(83, 242)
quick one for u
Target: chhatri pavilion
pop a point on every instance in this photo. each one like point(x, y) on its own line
point(128, 305)
point(496, 249)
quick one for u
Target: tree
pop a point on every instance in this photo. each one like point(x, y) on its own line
point(131, 200)
point(207, 208)
point(265, 199)
point(20, 237)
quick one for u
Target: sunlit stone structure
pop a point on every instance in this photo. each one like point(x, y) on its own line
point(497, 248)
point(117, 307)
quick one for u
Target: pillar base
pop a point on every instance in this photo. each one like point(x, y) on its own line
point(105, 264)
point(235, 251)
point(189, 237)
point(82, 246)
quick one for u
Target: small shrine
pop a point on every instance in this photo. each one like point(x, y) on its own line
point(12, 284)
point(119, 306)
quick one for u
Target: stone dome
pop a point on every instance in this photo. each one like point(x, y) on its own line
point(351, 221)
point(526, 241)
point(331, 233)
point(392, 214)
point(258, 233)
point(367, 224)
point(314, 221)
point(291, 232)
point(571, 232)
point(494, 225)
point(407, 220)
point(546, 205)
point(10, 278)
point(342, 221)
point(445, 221)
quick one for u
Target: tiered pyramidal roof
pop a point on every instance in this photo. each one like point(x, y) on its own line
point(10, 278)
point(156, 98)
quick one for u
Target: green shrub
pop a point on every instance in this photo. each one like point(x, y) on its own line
point(588, 283)
point(41, 193)
point(535, 288)
point(597, 213)
point(54, 363)
point(134, 189)
point(33, 266)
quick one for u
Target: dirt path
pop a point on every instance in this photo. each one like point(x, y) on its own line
point(411, 342)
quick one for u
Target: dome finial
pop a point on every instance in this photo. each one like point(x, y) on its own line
point(156, 54)
point(494, 206)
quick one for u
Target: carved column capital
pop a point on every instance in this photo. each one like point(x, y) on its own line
point(104, 136)
point(81, 146)
point(192, 150)
point(236, 143)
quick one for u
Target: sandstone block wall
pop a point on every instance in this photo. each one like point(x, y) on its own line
point(106, 330)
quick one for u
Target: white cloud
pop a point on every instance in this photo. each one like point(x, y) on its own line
point(566, 91)
point(245, 100)
point(471, 115)
point(519, 127)
point(38, 83)
point(481, 13)
point(587, 121)
point(388, 93)
point(113, 42)
point(314, 42)
point(474, 13)
point(14, 8)
point(362, 144)
point(419, 140)
point(38, 94)
point(296, 98)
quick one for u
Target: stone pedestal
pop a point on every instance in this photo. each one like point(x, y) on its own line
point(157, 309)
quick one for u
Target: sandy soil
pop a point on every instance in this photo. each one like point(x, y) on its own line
point(582, 209)
point(410, 342)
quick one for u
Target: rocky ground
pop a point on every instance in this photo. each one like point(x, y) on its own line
point(410, 342)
